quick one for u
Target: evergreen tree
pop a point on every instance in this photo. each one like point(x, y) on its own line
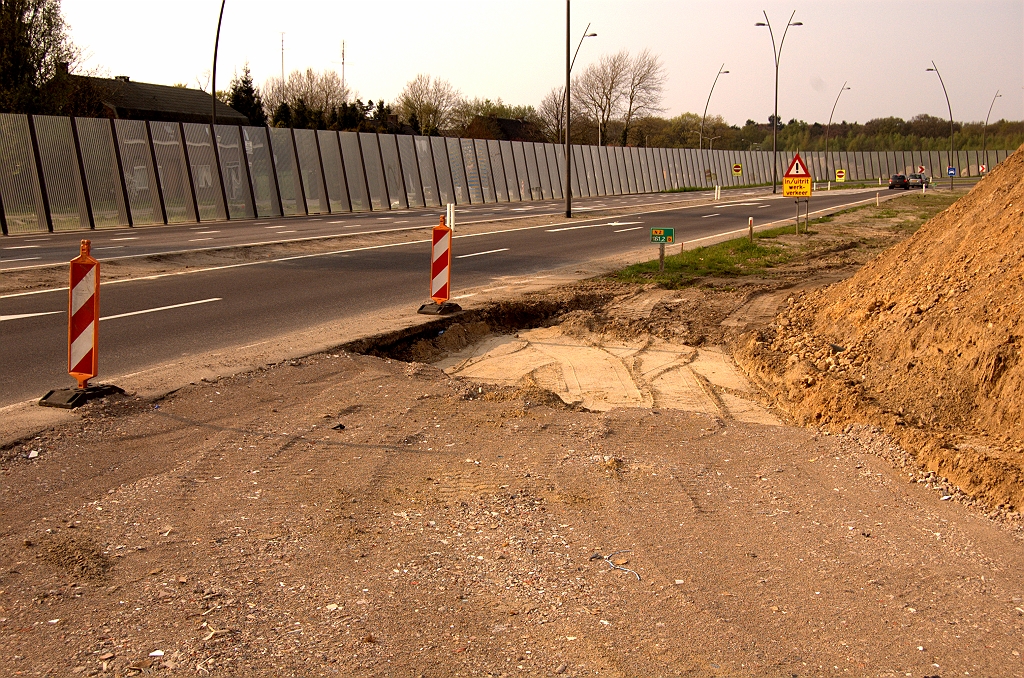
point(244, 97)
point(283, 115)
point(34, 49)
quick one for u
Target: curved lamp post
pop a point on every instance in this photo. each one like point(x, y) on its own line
point(721, 71)
point(777, 53)
point(984, 131)
point(213, 74)
point(568, 144)
point(950, 108)
point(827, 128)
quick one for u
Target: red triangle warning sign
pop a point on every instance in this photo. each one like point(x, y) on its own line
point(797, 169)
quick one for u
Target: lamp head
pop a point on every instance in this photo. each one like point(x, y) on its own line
point(929, 70)
point(591, 35)
point(797, 23)
point(728, 71)
point(760, 23)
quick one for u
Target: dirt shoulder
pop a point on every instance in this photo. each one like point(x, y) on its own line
point(348, 514)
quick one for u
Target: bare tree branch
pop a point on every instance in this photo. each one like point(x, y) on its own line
point(602, 86)
point(321, 91)
point(643, 90)
point(432, 101)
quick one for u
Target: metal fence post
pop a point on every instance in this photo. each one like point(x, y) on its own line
point(156, 173)
point(120, 173)
point(323, 175)
point(81, 171)
point(188, 170)
point(248, 174)
point(41, 175)
point(220, 174)
point(298, 173)
point(3, 217)
point(273, 168)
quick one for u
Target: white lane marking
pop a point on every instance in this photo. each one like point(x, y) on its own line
point(622, 223)
point(35, 239)
point(206, 232)
point(23, 247)
point(477, 254)
point(623, 230)
point(278, 226)
point(286, 231)
point(403, 221)
point(120, 239)
point(761, 207)
point(202, 239)
point(706, 216)
point(260, 223)
point(332, 253)
point(465, 296)
point(109, 247)
point(162, 308)
point(573, 228)
point(384, 218)
point(10, 261)
point(26, 315)
point(339, 221)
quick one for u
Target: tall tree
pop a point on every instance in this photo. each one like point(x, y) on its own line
point(34, 49)
point(319, 91)
point(244, 97)
point(645, 83)
point(431, 101)
point(601, 88)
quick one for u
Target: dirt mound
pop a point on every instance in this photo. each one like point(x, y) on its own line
point(926, 340)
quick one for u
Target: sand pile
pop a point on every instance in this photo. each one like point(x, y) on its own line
point(925, 340)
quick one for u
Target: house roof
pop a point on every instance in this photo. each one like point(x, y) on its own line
point(146, 101)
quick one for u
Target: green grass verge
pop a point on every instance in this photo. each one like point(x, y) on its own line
point(728, 259)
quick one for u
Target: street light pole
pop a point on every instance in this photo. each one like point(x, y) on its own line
point(829, 127)
point(213, 74)
point(984, 131)
point(777, 53)
point(721, 70)
point(950, 108)
point(566, 99)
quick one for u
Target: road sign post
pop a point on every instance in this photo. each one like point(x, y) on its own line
point(662, 237)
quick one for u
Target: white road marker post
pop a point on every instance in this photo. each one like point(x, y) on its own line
point(750, 227)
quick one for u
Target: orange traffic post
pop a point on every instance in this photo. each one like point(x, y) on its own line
point(440, 273)
point(83, 334)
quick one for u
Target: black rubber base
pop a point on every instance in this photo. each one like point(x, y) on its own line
point(433, 308)
point(70, 398)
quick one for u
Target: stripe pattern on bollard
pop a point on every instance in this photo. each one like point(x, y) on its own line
point(83, 317)
point(440, 263)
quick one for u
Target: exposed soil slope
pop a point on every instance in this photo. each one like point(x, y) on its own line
point(926, 339)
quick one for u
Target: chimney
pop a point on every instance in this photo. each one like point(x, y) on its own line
point(121, 78)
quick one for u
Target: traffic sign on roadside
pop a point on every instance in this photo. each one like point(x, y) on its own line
point(920, 169)
point(796, 182)
point(737, 170)
point(951, 171)
point(840, 175)
point(663, 235)
point(982, 168)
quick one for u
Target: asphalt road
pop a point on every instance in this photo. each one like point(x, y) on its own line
point(45, 249)
point(149, 321)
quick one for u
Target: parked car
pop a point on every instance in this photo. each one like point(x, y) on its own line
point(917, 181)
point(899, 181)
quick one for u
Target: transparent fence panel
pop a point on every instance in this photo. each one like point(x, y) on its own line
point(542, 170)
point(532, 172)
point(205, 174)
point(392, 172)
point(627, 169)
point(685, 179)
point(651, 172)
point(643, 179)
point(605, 167)
point(139, 173)
point(410, 171)
point(657, 170)
point(595, 158)
point(443, 168)
point(578, 175)
point(476, 196)
point(462, 196)
point(355, 177)
point(233, 171)
point(261, 171)
point(172, 172)
point(96, 139)
point(522, 173)
point(619, 158)
point(334, 171)
point(669, 160)
point(309, 170)
point(372, 163)
point(511, 178)
point(19, 182)
point(962, 164)
point(60, 172)
point(585, 167)
point(483, 167)
point(613, 170)
point(560, 164)
point(553, 173)
point(425, 160)
point(497, 166)
point(287, 172)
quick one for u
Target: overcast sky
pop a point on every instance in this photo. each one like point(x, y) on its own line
point(515, 49)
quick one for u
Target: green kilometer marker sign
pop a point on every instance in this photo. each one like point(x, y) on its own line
point(663, 235)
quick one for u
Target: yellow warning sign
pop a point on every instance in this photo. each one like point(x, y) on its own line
point(796, 182)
